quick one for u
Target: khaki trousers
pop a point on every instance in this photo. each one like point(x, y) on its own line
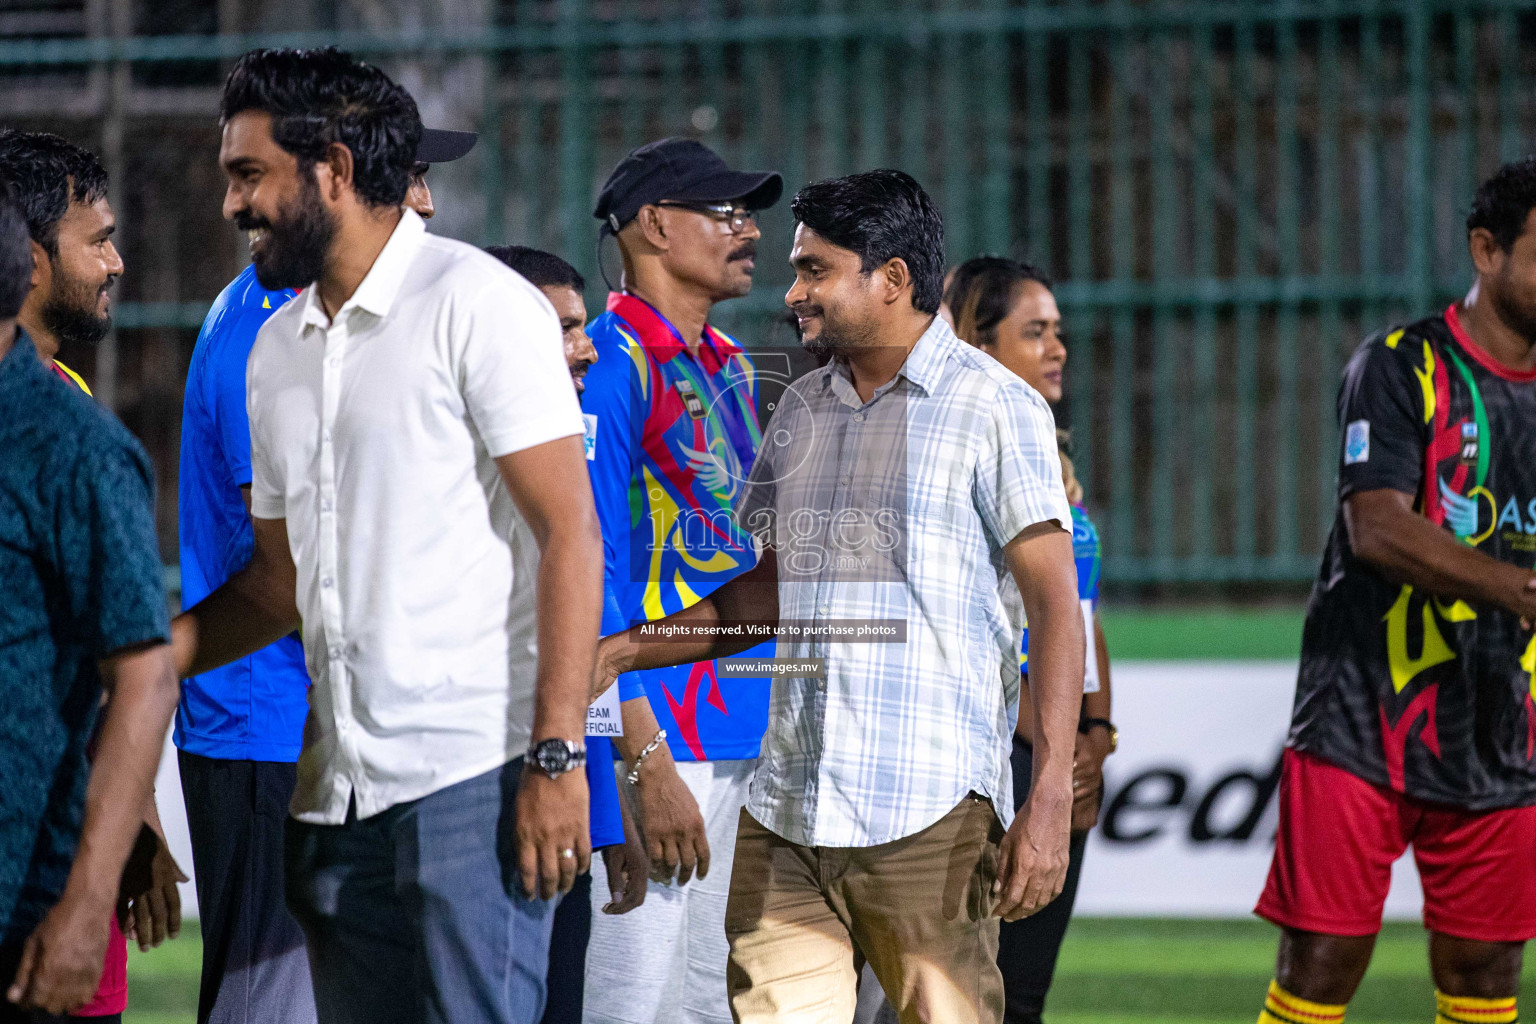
point(803, 920)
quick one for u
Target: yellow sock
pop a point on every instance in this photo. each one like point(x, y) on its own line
point(1466, 1010)
point(1280, 1007)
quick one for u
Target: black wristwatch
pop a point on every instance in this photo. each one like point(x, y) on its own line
point(556, 757)
point(1089, 724)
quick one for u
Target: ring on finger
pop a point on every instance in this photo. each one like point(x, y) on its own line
point(568, 853)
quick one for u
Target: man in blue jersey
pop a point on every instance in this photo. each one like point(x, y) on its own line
point(238, 728)
point(613, 833)
point(671, 433)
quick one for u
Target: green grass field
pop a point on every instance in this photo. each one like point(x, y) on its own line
point(1112, 971)
point(1204, 633)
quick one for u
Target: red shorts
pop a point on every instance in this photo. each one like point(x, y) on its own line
point(1339, 835)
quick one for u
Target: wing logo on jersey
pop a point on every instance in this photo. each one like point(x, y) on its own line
point(717, 469)
point(1462, 513)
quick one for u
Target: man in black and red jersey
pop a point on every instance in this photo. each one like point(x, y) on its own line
point(1414, 722)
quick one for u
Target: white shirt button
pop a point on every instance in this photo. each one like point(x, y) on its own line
point(858, 417)
point(335, 652)
point(327, 582)
point(325, 505)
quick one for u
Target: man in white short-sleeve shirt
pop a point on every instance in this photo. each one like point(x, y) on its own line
point(403, 409)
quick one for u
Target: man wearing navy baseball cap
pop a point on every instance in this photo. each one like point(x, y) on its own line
point(437, 146)
point(238, 727)
point(672, 430)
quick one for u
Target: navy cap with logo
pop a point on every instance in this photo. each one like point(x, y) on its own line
point(440, 145)
point(680, 170)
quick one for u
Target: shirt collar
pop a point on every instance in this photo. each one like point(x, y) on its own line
point(923, 366)
point(925, 363)
point(382, 283)
point(656, 331)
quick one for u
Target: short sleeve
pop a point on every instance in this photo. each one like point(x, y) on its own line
point(1381, 421)
point(512, 372)
point(613, 414)
point(1018, 468)
point(229, 349)
point(108, 553)
point(269, 492)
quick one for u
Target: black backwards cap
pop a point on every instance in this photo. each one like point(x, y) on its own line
point(440, 145)
point(684, 171)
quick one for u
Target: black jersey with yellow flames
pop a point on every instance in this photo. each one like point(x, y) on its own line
point(1434, 698)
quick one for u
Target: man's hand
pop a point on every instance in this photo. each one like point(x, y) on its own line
point(1088, 778)
point(1034, 853)
point(1528, 595)
point(627, 866)
point(551, 821)
point(149, 904)
point(62, 960)
point(606, 667)
point(1386, 531)
point(670, 821)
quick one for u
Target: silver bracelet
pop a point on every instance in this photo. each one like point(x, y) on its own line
point(634, 773)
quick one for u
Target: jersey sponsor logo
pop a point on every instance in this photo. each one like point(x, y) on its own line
point(1464, 515)
point(1469, 444)
point(1357, 442)
point(589, 432)
point(1510, 516)
point(691, 400)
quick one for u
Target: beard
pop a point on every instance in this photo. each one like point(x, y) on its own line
point(839, 335)
point(70, 312)
point(293, 253)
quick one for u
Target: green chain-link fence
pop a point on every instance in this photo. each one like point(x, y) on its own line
point(1230, 194)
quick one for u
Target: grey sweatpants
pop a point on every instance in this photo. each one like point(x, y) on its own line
point(664, 961)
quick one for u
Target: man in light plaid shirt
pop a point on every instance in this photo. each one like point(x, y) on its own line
point(909, 505)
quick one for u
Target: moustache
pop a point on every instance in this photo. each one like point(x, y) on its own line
point(805, 311)
point(746, 251)
point(246, 221)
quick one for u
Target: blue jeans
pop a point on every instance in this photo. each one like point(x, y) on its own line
point(415, 914)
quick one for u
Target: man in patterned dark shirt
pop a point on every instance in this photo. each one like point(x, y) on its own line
point(84, 610)
point(1415, 723)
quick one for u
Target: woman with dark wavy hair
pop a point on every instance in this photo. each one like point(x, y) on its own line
point(1006, 309)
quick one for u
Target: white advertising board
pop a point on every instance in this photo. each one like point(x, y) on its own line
point(1190, 806)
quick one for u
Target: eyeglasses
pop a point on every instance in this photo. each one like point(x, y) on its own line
point(737, 216)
